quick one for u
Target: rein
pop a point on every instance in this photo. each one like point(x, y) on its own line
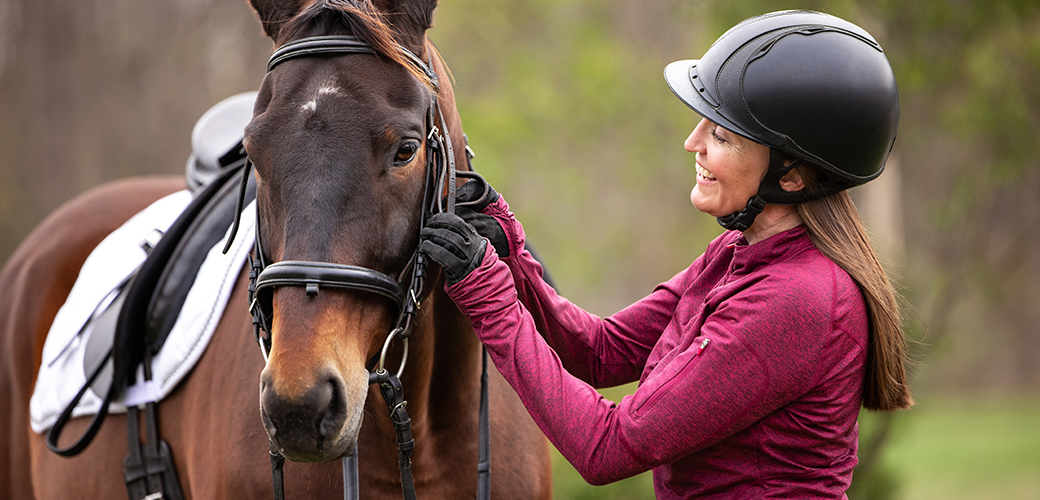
point(406, 291)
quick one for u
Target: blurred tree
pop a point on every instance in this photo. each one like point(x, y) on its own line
point(96, 90)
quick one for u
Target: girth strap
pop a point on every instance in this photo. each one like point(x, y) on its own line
point(148, 468)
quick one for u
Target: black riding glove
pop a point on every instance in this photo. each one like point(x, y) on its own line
point(470, 205)
point(454, 244)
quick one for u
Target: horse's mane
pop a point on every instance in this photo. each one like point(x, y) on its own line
point(359, 18)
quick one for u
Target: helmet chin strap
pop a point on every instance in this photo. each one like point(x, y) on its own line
point(770, 187)
point(743, 219)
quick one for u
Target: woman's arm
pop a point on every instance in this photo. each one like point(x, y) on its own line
point(736, 369)
point(603, 352)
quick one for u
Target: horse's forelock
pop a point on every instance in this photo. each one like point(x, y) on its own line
point(363, 20)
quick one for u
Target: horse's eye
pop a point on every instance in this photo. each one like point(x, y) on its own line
point(406, 153)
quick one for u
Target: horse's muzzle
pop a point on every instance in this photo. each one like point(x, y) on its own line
point(317, 424)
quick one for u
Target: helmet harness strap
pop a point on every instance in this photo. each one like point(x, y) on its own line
point(769, 189)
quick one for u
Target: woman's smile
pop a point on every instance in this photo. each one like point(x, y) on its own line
point(704, 174)
point(729, 169)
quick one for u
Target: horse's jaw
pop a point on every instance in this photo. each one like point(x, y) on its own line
point(304, 432)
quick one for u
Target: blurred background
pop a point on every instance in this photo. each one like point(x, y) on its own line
point(565, 105)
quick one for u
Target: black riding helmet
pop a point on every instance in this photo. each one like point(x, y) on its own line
point(810, 86)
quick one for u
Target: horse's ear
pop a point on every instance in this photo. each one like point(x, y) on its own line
point(410, 18)
point(274, 13)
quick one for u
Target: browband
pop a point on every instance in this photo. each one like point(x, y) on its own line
point(338, 44)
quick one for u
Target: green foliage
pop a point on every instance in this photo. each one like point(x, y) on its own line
point(572, 122)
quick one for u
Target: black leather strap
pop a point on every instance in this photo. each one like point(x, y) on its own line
point(277, 475)
point(314, 275)
point(338, 44)
point(148, 468)
point(351, 489)
point(484, 448)
point(54, 433)
point(318, 45)
point(208, 228)
point(393, 394)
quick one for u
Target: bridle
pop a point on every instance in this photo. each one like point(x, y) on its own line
point(405, 291)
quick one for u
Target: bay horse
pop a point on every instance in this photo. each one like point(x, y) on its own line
point(339, 143)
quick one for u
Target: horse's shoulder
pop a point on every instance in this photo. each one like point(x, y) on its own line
point(40, 273)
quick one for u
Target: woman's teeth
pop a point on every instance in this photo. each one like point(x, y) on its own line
point(703, 172)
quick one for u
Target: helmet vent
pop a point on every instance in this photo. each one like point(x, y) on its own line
point(698, 84)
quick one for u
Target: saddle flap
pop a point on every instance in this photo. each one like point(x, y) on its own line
point(131, 345)
point(208, 228)
point(99, 345)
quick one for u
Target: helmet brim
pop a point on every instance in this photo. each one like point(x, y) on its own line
point(677, 76)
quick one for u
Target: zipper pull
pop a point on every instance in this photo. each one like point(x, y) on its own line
point(704, 343)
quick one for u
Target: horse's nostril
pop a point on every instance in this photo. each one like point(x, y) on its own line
point(318, 398)
point(335, 411)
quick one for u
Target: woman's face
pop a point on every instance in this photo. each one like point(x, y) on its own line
point(729, 169)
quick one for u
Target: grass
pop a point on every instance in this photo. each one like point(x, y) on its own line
point(968, 449)
point(944, 448)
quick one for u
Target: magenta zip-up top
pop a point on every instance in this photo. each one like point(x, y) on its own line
point(750, 366)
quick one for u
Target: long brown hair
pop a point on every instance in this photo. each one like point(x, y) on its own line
point(835, 227)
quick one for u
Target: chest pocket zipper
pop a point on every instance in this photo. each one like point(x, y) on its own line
point(667, 386)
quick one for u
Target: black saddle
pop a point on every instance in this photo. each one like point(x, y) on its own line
point(136, 324)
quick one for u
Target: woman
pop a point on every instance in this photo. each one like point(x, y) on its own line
point(753, 362)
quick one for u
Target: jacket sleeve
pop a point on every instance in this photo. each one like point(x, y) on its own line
point(740, 366)
point(603, 352)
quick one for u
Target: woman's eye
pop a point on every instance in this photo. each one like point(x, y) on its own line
point(715, 135)
point(406, 153)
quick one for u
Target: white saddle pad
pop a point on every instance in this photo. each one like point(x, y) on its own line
point(116, 258)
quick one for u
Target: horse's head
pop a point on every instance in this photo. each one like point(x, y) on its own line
point(339, 143)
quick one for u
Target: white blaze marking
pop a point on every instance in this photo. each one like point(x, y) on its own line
point(328, 88)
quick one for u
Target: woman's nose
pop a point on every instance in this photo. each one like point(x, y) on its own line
point(695, 142)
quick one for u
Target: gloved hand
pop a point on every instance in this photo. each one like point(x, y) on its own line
point(469, 206)
point(454, 244)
